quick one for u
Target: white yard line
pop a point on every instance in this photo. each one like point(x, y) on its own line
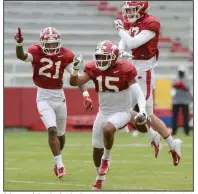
point(116, 145)
point(7, 168)
point(150, 155)
point(122, 161)
point(127, 162)
point(45, 183)
point(80, 185)
point(134, 171)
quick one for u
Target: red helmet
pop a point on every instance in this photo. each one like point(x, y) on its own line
point(134, 10)
point(105, 55)
point(50, 41)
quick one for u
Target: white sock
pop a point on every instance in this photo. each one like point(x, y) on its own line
point(98, 177)
point(58, 161)
point(151, 133)
point(170, 141)
point(97, 170)
point(107, 154)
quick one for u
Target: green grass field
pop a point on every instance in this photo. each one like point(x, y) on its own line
point(28, 164)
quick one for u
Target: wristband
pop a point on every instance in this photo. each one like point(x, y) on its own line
point(19, 44)
point(75, 72)
point(85, 93)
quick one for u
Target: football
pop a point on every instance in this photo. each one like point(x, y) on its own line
point(142, 123)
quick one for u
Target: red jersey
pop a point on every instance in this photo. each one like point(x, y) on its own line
point(149, 49)
point(114, 79)
point(48, 70)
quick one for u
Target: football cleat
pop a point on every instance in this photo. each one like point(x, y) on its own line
point(176, 153)
point(98, 185)
point(59, 172)
point(104, 167)
point(156, 144)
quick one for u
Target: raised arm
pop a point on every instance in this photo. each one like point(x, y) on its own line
point(80, 80)
point(77, 79)
point(19, 48)
point(134, 42)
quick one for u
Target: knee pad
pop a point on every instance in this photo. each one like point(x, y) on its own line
point(61, 126)
point(97, 141)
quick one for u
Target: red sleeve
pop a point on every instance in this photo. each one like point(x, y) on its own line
point(71, 59)
point(129, 70)
point(126, 25)
point(34, 51)
point(153, 26)
point(132, 73)
point(68, 56)
point(89, 69)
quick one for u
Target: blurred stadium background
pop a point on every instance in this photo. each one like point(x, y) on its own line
point(82, 25)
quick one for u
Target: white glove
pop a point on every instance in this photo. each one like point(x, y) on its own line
point(142, 113)
point(118, 24)
point(77, 62)
point(124, 54)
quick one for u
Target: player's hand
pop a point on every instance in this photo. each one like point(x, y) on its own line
point(124, 54)
point(142, 122)
point(118, 24)
point(77, 62)
point(142, 114)
point(88, 103)
point(18, 36)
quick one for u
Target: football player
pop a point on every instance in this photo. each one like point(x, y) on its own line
point(113, 81)
point(49, 60)
point(140, 32)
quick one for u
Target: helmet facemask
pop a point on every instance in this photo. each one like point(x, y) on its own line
point(52, 45)
point(103, 60)
point(134, 10)
point(132, 13)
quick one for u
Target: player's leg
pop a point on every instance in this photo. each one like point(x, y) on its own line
point(135, 132)
point(143, 79)
point(48, 117)
point(116, 122)
point(173, 144)
point(175, 111)
point(61, 139)
point(156, 123)
point(61, 119)
point(61, 116)
point(185, 110)
point(108, 132)
point(151, 134)
point(98, 148)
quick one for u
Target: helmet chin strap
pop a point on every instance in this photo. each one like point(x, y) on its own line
point(132, 20)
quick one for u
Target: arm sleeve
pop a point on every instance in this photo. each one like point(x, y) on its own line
point(121, 45)
point(138, 40)
point(33, 55)
point(29, 57)
point(137, 92)
point(69, 68)
point(89, 70)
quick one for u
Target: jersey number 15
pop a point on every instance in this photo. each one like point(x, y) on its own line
point(107, 81)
